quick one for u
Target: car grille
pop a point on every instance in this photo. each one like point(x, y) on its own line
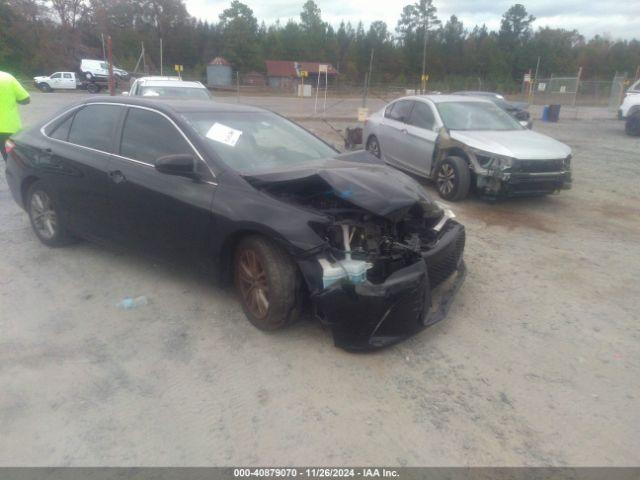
point(442, 263)
point(538, 166)
point(535, 185)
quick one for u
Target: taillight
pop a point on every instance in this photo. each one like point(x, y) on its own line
point(8, 146)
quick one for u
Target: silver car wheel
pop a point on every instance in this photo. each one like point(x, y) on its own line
point(44, 216)
point(446, 179)
point(374, 147)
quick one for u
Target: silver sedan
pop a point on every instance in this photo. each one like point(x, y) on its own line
point(462, 142)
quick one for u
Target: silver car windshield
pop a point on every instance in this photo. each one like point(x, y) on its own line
point(475, 116)
point(179, 92)
point(251, 142)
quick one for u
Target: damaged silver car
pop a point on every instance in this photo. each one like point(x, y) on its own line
point(465, 143)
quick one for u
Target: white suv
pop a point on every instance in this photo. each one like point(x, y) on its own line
point(630, 109)
point(99, 70)
point(168, 87)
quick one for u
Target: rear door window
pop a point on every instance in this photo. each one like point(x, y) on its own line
point(61, 132)
point(148, 135)
point(93, 126)
point(401, 110)
point(422, 116)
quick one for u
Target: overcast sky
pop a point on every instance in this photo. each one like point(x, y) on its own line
point(617, 18)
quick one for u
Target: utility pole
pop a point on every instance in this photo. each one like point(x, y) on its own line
point(423, 85)
point(534, 82)
point(104, 55)
point(112, 87)
point(367, 80)
point(575, 95)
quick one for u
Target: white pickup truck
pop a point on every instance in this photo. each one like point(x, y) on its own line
point(67, 81)
point(57, 81)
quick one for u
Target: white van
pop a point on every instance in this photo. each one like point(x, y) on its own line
point(99, 70)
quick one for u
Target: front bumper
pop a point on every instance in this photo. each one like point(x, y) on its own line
point(523, 183)
point(370, 316)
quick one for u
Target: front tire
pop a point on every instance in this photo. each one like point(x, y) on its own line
point(453, 178)
point(46, 221)
point(267, 282)
point(373, 146)
point(632, 125)
point(44, 87)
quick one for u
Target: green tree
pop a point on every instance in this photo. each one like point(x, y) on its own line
point(514, 35)
point(240, 35)
point(415, 23)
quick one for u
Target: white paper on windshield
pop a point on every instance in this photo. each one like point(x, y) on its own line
point(223, 134)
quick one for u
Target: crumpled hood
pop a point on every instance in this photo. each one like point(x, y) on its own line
point(40, 78)
point(520, 144)
point(378, 189)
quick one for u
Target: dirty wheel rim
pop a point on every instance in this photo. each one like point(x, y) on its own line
point(44, 216)
point(374, 148)
point(252, 283)
point(446, 179)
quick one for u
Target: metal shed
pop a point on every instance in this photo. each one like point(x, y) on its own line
point(219, 73)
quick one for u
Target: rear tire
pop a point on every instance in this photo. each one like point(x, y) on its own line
point(93, 88)
point(453, 178)
point(632, 125)
point(268, 283)
point(46, 221)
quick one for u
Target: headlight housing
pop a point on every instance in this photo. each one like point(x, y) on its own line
point(492, 160)
point(567, 163)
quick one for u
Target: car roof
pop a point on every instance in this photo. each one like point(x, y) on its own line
point(172, 83)
point(158, 77)
point(173, 105)
point(446, 98)
point(477, 92)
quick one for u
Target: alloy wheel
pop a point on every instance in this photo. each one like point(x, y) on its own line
point(43, 214)
point(251, 278)
point(446, 179)
point(374, 147)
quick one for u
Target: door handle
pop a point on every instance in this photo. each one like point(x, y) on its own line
point(117, 176)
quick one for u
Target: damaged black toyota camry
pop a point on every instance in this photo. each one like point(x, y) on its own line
point(281, 214)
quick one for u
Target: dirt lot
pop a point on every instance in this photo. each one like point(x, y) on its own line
point(537, 364)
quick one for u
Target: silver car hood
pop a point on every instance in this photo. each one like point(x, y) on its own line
point(521, 144)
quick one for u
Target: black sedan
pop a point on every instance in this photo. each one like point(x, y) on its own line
point(279, 212)
point(518, 110)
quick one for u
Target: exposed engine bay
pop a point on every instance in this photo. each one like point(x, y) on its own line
point(384, 246)
point(365, 244)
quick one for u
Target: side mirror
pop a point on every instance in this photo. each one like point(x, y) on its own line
point(126, 94)
point(182, 165)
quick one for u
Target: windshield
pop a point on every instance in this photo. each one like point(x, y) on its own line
point(254, 142)
point(475, 116)
point(180, 92)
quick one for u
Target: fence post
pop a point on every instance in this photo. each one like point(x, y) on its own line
point(238, 87)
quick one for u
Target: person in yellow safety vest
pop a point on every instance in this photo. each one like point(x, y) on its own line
point(11, 94)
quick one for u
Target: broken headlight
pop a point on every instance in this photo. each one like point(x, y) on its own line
point(492, 160)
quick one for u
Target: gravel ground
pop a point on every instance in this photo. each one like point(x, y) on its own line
point(537, 363)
